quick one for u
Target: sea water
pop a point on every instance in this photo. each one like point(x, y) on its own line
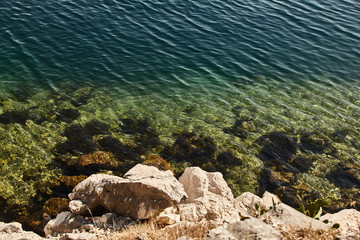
point(267, 92)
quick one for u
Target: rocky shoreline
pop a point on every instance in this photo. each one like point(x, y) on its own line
point(103, 205)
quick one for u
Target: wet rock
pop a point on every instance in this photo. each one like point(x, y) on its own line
point(22, 95)
point(79, 141)
point(314, 142)
point(14, 117)
point(98, 157)
point(67, 115)
point(95, 127)
point(144, 192)
point(237, 110)
point(72, 181)
point(277, 146)
point(302, 164)
point(252, 228)
point(65, 222)
point(241, 128)
point(285, 217)
point(122, 152)
point(229, 158)
point(349, 221)
point(208, 193)
point(145, 136)
point(56, 205)
point(195, 149)
point(79, 101)
point(158, 162)
point(340, 135)
point(285, 186)
point(345, 176)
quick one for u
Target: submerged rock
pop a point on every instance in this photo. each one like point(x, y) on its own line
point(277, 146)
point(314, 142)
point(197, 150)
point(67, 115)
point(241, 128)
point(229, 159)
point(56, 205)
point(157, 161)
point(345, 176)
point(14, 117)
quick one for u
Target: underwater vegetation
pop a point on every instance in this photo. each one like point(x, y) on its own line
point(301, 144)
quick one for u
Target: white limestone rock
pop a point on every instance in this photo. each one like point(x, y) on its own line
point(249, 229)
point(349, 221)
point(284, 216)
point(209, 197)
point(247, 204)
point(64, 222)
point(144, 192)
point(14, 231)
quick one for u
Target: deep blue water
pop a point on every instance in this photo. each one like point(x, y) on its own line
point(163, 43)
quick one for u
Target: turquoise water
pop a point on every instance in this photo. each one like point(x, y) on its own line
point(267, 92)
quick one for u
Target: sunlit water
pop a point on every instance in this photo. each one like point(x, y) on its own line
point(228, 75)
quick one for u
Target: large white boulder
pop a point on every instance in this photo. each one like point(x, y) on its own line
point(209, 197)
point(144, 192)
point(349, 221)
point(284, 217)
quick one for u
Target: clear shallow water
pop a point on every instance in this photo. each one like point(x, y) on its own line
point(231, 71)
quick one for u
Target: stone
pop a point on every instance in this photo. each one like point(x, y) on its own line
point(269, 199)
point(144, 192)
point(198, 183)
point(78, 207)
point(284, 216)
point(14, 231)
point(252, 228)
point(169, 216)
point(13, 227)
point(247, 204)
point(349, 221)
point(209, 197)
point(144, 172)
point(65, 222)
point(105, 219)
point(184, 238)
point(192, 211)
point(79, 236)
point(168, 219)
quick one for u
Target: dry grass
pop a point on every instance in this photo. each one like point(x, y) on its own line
point(149, 230)
point(309, 234)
